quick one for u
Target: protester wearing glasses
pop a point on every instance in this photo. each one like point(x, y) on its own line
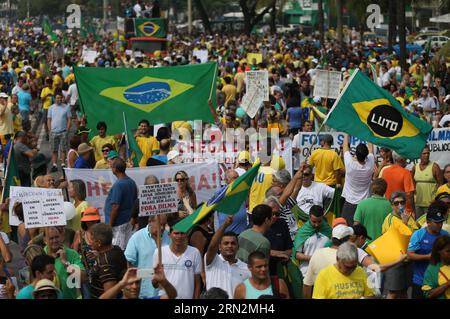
point(427, 177)
point(104, 163)
point(187, 200)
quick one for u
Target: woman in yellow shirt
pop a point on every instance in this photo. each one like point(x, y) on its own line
point(398, 202)
point(445, 188)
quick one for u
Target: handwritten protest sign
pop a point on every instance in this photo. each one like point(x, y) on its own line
point(157, 199)
point(43, 211)
point(327, 84)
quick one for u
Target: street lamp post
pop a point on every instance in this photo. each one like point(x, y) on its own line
point(189, 3)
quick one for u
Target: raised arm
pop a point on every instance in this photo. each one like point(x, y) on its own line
point(215, 241)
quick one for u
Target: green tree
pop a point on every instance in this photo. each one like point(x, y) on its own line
point(249, 10)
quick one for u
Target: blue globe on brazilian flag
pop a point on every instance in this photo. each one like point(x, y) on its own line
point(160, 95)
point(369, 112)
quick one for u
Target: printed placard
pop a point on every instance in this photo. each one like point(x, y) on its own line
point(157, 199)
point(327, 84)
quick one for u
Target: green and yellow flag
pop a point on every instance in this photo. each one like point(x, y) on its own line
point(133, 150)
point(369, 112)
point(160, 95)
point(47, 28)
point(155, 27)
point(227, 200)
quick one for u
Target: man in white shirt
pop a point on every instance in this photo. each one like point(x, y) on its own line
point(224, 270)
point(72, 97)
point(312, 193)
point(358, 176)
point(182, 265)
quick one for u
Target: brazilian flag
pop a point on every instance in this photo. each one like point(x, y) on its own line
point(227, 200)
point(134, 151)
point(370, 113)
point(160, 95)
point(155, 27)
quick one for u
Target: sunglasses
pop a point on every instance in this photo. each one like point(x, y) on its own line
point(105, 150)
point(402, 202)
point(306, 174)
point(181, 179)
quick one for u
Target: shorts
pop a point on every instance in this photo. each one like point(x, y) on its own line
point(44, 114)
point(57, 140)
point(398, 278)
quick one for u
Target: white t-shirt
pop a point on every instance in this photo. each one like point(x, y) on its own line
point(323, 258)
point(180, 271)
point(219, 273)
point(296, 156)
point(445, 118)
point(313, 243)
point(357, 178)
point(73, 92)
point(313, 195)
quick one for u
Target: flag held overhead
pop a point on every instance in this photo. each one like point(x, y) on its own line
point(370, 113)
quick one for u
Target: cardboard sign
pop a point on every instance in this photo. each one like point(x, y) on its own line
point(43, 211)
point(252, 102)
point(89, 56)
point(157, 199)
point(20, 194)
point(258, 81)
point(256, 56)
point(327, 84)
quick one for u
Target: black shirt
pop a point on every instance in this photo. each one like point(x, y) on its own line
point(109, 266)
point(280, 239)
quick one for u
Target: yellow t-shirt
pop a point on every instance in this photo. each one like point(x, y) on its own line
point(326, 162)
point(102, 164)
point(230, 92)
point(261, 183)
point(48, 100)
point(57, 81)
point(97, 143)
point(149, 146)
point(443, 189)
point(75, 223)
point(332, 284)
point(388, 222)
point(70, 78)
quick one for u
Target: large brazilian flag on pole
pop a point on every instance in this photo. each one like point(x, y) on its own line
point(370, 113)
point(155, 27)
point(160, 95)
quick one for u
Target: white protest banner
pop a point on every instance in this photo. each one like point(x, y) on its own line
point(158, 199)
point(37, 30)
point(327, 84)
point(202, 55)
point(226, 154)
point(438, 140)
point(89, 56)
point(137, 54)
point(204, 180)
point(20, 194)
point(259, 81)
point(129, 52)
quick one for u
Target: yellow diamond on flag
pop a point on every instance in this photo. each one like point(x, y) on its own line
point(149, 28)
point(147, 93)
point(384, 120)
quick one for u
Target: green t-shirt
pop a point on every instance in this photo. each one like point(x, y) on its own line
point(250, 241)
point(74, 259)
point(371, 213)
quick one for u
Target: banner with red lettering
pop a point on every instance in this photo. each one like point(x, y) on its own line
point(204, 179)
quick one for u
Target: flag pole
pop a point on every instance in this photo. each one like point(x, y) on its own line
point(158, 239)
point(126, 136)
point(213, 81)
point(7, 168)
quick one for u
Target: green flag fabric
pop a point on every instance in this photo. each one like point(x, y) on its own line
point(306, 231)
point(160, 95)
point(369, 112)
point(47, 28)
point(227, 200)
point(155, 27)
point(12, 174)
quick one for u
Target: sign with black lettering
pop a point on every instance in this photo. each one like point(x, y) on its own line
point(43, 211)
point(157, 199)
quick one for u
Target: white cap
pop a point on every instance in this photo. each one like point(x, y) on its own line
point(341, 231)
point(172, 154)
point(4, 95)
point(343, 69)
point(447, 98)
point(373, 60)
point(317, 99)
